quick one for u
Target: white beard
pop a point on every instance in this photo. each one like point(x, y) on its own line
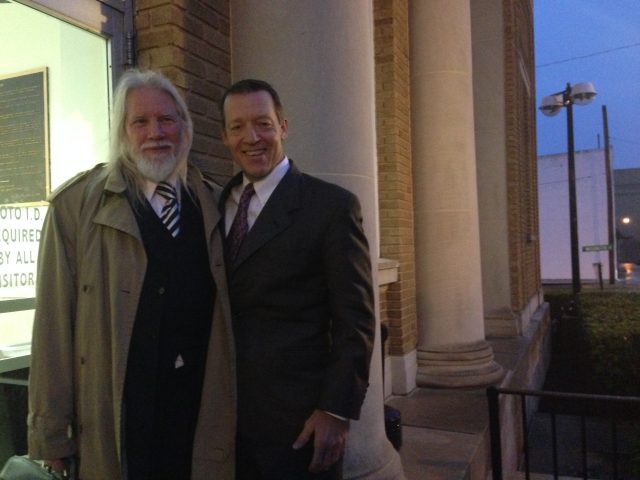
point(158, 168)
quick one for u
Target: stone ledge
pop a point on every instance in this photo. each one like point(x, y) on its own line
point(387, 271)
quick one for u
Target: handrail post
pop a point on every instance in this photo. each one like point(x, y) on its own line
point(525, 436)
point(554, 445)
point(494, 428)
point(583, 441)
point(614, 441)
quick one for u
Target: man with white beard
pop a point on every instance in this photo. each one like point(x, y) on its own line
point(132, 355)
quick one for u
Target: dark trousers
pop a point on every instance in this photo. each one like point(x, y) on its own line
point(268, 462)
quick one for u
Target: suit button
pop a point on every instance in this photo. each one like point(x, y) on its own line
point(219, 454)
point(161, 291)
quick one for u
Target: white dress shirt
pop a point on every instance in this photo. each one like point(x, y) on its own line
point(263, 188)
point(156, 201)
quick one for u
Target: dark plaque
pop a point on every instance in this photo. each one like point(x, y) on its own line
point(24, 151)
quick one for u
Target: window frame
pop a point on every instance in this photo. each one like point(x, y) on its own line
point(112, 19)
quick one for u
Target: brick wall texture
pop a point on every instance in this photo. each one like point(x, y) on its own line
point(189, 41)
point(522, 197)
point(393, 119)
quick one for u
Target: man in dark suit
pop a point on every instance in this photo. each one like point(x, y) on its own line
point(301, 294)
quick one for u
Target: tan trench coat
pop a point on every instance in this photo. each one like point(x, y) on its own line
point(91, 269)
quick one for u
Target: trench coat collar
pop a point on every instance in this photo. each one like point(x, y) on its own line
point(206, 196)
point(116, 211)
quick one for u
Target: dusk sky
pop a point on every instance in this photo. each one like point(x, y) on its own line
point(594, 41)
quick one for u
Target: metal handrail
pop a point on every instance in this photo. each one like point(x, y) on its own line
point(493, 394)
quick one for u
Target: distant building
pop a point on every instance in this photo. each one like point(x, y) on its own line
point(593, 221)
point(627, 188)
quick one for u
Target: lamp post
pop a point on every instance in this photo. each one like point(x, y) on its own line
point(579, 94)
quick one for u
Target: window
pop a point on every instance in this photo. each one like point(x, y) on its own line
point(58, 61)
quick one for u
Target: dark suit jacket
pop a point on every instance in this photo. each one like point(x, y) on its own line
point(302, 308)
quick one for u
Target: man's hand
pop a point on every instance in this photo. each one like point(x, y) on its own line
point(329, 438)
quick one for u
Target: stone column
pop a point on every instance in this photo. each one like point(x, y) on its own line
point(491, 153)
point(319, 56)
point(452, 351)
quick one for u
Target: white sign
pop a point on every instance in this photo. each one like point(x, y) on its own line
point(20, 229)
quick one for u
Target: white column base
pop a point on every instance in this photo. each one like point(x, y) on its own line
point(391, 470)
point(400, 373)
point(456, 366)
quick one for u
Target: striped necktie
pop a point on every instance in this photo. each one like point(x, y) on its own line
point(170, 214)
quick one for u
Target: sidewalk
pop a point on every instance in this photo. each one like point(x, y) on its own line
point(442, 433)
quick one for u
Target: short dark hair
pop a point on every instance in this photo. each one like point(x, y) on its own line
point(250, 85)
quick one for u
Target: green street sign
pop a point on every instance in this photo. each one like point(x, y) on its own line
point(596, 248)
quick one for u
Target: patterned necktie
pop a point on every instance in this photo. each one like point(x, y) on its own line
point(240, 226)
point(170, 214)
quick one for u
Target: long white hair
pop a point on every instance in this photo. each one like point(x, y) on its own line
point(120, 156)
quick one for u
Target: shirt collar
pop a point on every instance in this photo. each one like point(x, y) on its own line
point(149, 186)
point(265, 186)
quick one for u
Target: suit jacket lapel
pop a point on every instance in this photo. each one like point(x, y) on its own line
point(275, 217)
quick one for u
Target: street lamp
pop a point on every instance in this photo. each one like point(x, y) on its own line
point(580, 94)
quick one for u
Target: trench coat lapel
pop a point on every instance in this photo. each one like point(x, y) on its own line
point(211, 217)
point(210, 213)
point(222, 205)
point(116, 212)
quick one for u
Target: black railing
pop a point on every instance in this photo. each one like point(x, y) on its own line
point(614, 408)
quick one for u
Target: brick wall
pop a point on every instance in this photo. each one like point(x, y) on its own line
point(521, 152)
point(189, 41)
point(393, 120)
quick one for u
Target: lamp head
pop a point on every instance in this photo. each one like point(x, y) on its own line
point(551, 105)
point(583, 93)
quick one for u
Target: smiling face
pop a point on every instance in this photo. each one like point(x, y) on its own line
point(154, 132)
point(254, 133)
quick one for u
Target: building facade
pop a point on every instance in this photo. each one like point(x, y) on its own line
point(627, 194)
point(424, 109)
point(595, 224)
